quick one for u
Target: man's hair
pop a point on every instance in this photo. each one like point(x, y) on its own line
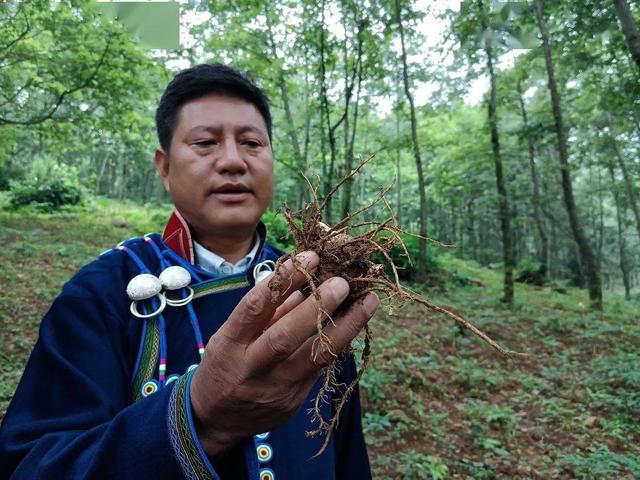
point(200, 81)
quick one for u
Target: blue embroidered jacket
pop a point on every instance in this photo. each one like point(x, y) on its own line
point(90, 405)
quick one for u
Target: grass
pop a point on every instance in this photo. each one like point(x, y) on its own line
point(438, 403)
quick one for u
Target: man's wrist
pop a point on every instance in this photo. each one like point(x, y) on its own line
point(214, 440)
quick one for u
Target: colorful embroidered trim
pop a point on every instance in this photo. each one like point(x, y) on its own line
point(192, 460)
point(216, 286)
point(146, 364)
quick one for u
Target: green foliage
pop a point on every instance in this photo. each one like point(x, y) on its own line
point(48, 186)
point(278, 230)
point(417, 466)
point(502, 416)
point(601, 464)
point(413, 465)
point(616, 383)
point(373, 385)
point(375, 423)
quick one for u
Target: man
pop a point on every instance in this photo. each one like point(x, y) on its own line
point(113, 388)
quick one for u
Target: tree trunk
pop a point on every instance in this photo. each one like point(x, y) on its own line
point(586, 252)
point(324, 104)
point(543, 252)
point(503, 200)
point(284, 93)
point(629, 28)
point(328, 180)
point(600, 220)
point(628, 182)
point(422, 246)
point(304, 192)
point(105, 161)
point(471, 232)
point(622, 253)
point(350, 137)
point(398, 170)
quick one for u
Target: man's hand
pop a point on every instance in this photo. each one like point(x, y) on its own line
point(252, 380)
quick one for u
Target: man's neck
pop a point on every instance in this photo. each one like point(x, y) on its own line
point(232, 249)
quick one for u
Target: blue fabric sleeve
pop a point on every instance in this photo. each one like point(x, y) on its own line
point(71, 416)
point(352, 460)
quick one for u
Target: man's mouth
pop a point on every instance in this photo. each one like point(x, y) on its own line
point(232, 192)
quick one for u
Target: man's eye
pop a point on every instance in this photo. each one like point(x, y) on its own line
point(252, 143)
point(206, 143)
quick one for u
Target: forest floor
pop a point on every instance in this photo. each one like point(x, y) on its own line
point(438, 403)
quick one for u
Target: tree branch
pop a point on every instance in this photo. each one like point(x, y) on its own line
point(41, 118)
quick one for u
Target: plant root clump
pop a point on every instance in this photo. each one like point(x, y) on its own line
point(348, 249)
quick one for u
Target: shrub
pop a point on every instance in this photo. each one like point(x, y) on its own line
point(531, 271)
point(601, 464)
point(48, 186)
point(278, 231)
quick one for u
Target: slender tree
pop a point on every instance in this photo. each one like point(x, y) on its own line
point(629, 28)
point(503, 199)
point(422, 252)
point(586, 252)
point(628, 181)
point(543, 252)
point(622, 247)
point(284, 95)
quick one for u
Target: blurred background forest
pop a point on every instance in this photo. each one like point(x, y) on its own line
point(512, 130)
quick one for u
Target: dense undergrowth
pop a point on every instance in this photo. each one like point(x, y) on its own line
point(438, 403)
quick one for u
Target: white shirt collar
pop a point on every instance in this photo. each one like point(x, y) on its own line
point(217, 265)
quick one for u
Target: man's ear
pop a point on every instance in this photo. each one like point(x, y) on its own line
point(162, 165)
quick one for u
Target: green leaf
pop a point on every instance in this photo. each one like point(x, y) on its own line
point(505, 12)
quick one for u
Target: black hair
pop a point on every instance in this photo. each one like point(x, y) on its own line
point(202, 80)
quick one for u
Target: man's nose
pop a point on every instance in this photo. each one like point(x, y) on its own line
point(230, 159)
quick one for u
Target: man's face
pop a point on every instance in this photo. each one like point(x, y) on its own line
point(219, 170)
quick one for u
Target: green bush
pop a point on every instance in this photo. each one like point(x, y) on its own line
point(278, 230)
point(531, 271)
point(601, 464)
point(48, 186)
point(418, 466)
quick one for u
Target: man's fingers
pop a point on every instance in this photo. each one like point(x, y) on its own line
point(295, 299)
point(318, 351)
point(252, 314)
point(294, 328)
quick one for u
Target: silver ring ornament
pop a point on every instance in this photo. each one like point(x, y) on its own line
point(176, 278)
point(182, 302)
point(263, 269)
point(143, 287)
point(134, 308)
